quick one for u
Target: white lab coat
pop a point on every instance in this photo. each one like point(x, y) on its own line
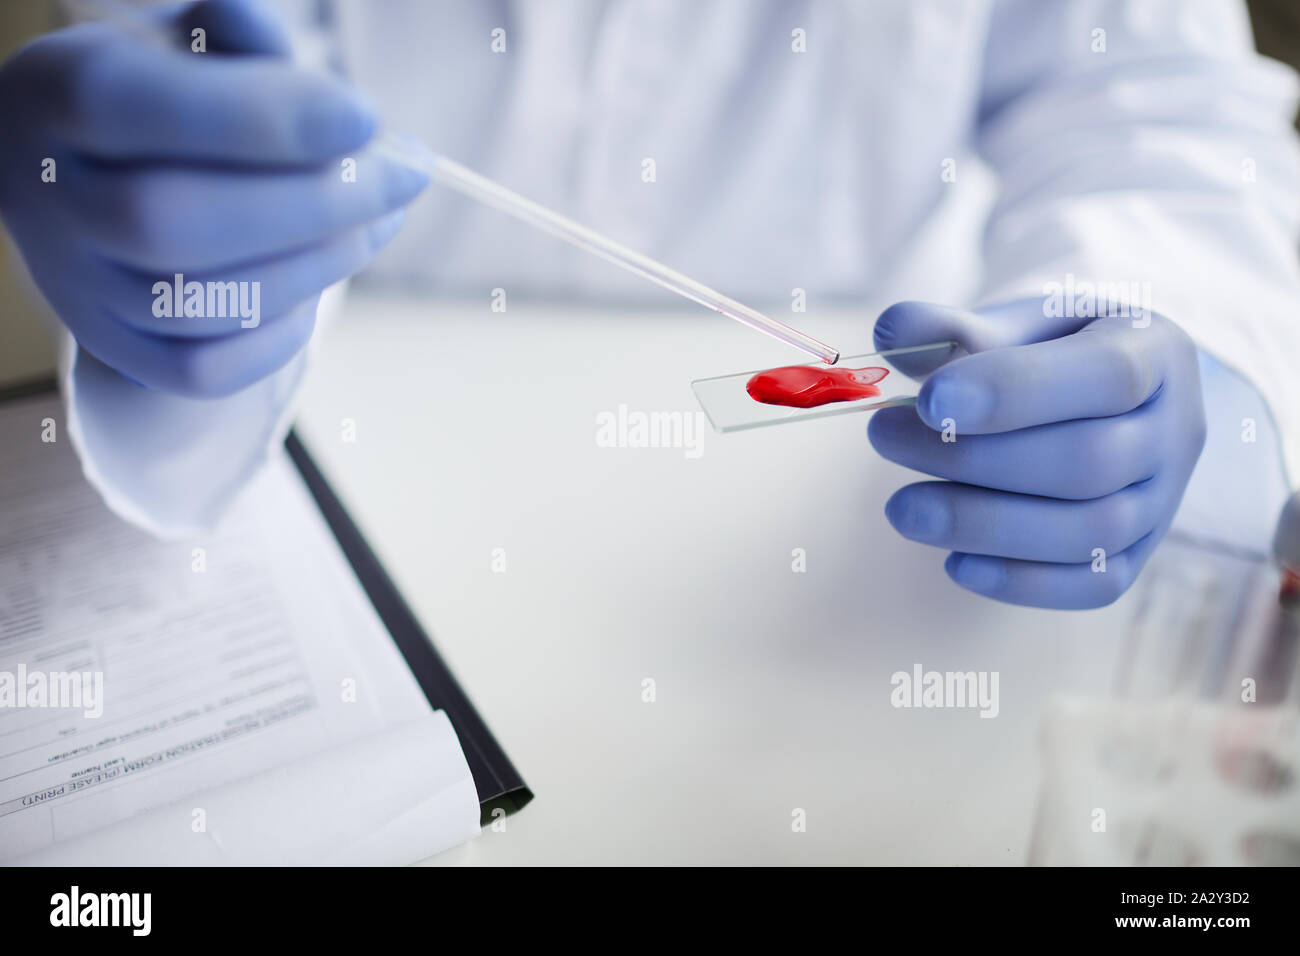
point(767, 146)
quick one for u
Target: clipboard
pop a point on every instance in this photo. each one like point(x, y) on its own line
point(499, 785)
point(501, 790)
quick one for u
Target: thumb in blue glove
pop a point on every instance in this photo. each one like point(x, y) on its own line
point(1066, 444)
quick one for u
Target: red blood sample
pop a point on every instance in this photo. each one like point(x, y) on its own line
point(1290, 593)
point(806, 386)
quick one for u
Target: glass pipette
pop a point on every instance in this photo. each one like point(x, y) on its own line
point(453, 175)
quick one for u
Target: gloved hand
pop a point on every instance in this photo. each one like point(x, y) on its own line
point(223, 166)
point(1286, 536)
point(1071, 435)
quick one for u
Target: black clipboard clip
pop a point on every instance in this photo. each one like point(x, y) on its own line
point(499, 785)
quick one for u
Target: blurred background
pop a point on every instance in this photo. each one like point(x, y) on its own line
point(28, 352)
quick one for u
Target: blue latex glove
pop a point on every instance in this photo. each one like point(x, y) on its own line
point(1286, 537)
point(223, 165)
point(1071, 435)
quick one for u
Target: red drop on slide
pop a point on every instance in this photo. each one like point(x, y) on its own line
point(806, 386)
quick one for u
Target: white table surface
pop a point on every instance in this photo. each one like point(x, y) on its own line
point(475, 430)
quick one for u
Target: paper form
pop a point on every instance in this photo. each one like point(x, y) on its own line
point(253, 709)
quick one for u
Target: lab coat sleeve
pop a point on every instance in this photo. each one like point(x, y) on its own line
point(169, 464)
point(1147, 145)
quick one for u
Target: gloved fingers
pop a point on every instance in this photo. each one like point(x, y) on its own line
point(1286, 535)
point(281, 283)
point(1108, 368)
point(111, 95)
point(174, 219)
point(906, 324)
point(1088, 458)
point(197, 368)
point(958, 517)
point(234, 26)
point(1066, 587)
